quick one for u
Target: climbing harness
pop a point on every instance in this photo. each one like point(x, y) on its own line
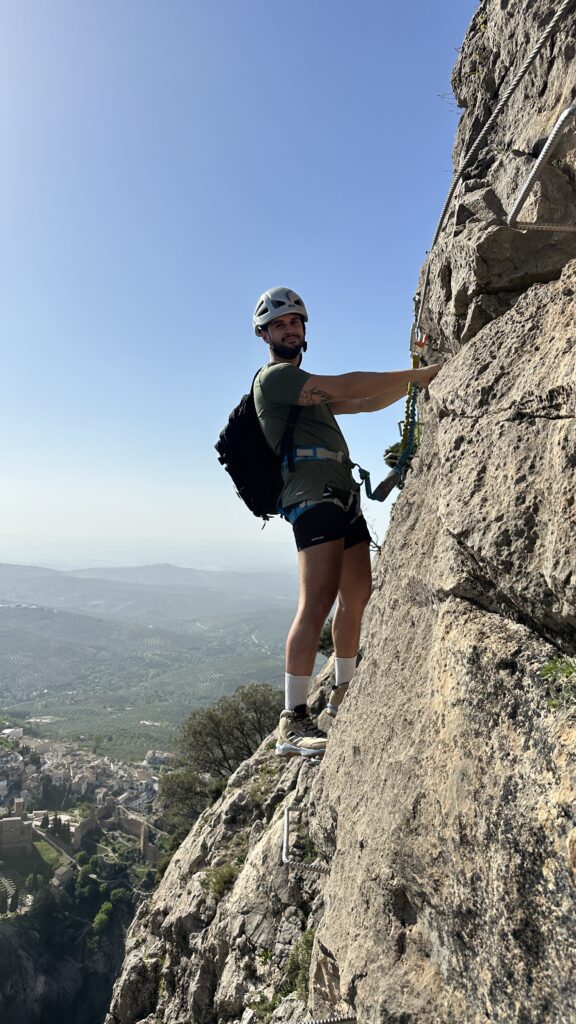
point(568, 115)
point(318, 869)
point(315, 453)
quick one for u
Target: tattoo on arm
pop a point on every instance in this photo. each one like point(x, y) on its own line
point(314, 396)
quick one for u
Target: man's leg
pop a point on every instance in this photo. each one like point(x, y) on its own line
point(320, 570)
point(319, 567)
point(353, 596)
point(354, 592)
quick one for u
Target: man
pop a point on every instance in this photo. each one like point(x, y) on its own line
point(321, 499)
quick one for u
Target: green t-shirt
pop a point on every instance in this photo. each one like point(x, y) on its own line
point(276, 388)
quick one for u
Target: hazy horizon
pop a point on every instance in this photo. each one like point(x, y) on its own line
point(271, 547)
point(68, 554)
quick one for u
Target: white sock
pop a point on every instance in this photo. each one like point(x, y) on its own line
point(296, 690)
point(344, 669)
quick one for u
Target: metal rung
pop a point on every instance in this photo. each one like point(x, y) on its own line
point(528, 225)
point(542, 160)
point(329, 1020)
point(318, 869)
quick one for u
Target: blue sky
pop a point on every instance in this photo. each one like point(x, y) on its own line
point(164, 163)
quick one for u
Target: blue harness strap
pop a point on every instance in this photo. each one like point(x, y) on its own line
point(295, 511)
point(315, 453)
point(310, 453)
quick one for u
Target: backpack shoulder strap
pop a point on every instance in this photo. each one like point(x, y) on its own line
point(287, 441)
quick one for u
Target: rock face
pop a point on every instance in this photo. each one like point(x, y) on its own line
point(223, 929)
point(444, 808)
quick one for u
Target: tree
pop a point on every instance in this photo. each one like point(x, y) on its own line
point(102, 917)
point(13, 907)
point(216, 740)
point(120, 896)
point(45, 820)
point(85, 887)
point(183, 796)
point(3, 900)
point(45, 905)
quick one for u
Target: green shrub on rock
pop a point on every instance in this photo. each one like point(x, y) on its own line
point(218, 880)
point(560, 677)
point(298, 966)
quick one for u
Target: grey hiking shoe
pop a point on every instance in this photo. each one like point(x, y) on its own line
point(297, 735)
point(327, 716)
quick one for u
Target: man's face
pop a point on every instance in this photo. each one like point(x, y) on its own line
point(285, 335)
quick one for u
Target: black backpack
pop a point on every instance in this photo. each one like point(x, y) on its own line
point(253, 465)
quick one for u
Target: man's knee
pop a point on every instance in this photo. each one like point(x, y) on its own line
point(314, 609)
point(314, 614)
point(355, 601)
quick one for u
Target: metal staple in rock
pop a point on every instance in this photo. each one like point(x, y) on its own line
point(318, 869)
point(477, 145)
point(328, 1020)
point(525, 225)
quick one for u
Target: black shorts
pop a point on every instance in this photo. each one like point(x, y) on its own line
point(328, 521)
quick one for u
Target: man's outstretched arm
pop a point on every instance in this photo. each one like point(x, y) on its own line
point(363, 391)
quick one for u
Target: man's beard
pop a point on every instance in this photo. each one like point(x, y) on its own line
point(288, 351)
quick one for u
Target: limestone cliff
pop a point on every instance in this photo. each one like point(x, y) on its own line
point(444, 809)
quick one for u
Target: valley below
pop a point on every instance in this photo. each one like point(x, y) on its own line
point(117, 658)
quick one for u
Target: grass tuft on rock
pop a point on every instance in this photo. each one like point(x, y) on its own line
point(218, 880)
point(560, 678)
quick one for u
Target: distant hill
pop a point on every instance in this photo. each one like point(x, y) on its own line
point(122, 655)
point(17, 573)
point(152, 595)
point(176, 576)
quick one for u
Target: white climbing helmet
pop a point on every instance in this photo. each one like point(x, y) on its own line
point(276, 302)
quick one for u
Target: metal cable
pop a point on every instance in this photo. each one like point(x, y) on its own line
point(477, 145)
point(544, 157)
